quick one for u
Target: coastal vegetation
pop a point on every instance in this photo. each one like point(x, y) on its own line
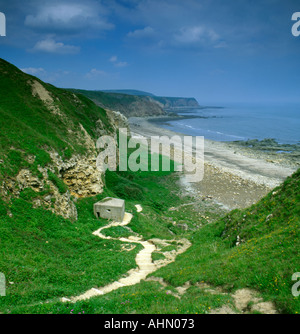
point(46, 255)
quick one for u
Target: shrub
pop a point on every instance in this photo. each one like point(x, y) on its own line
point(62, 188)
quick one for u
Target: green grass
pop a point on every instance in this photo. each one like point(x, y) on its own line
point(144, 298)
point(265, 261)
point(267, 257)
point(45, 257)
point(58, 182)
point(117, 232)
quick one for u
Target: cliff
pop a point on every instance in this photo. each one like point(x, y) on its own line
point(166, 103)
point(175, 103)
point(128, 105)
point(134, 103)
point(48, 136)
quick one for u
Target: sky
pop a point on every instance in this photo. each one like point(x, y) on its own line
point(217, 51)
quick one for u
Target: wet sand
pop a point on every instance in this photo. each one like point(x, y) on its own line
point(231, 178)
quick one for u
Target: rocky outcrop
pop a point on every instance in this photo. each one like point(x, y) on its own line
point(38, 90)
point(80, 174)
point(118, 120)
point(47, 196)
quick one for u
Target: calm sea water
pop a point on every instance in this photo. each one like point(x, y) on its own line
point(242, 122)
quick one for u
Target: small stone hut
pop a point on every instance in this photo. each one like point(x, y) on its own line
point(110, 208)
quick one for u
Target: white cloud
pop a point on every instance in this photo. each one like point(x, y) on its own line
point(69, 17)
point(114, 60)
point(141, 33)
point(190, 35)
point(34, 71)
point(221, 45)
point(94, 73)
point(169, 24)
point(50, 46)
point(48, 76)
point(121, 64)
point(197, 35)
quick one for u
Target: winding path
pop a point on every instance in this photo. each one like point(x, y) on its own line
point(145, 265)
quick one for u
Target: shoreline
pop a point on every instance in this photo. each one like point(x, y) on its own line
point(233, 178)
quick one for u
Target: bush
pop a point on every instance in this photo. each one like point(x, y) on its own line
point(62, 188)
point(28, 194)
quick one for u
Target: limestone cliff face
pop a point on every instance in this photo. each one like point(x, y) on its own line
point(53, 200)
point(118, 120)
point(80, 174)
point(58, 203)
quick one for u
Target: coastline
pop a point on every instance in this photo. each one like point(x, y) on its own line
point(233, 177)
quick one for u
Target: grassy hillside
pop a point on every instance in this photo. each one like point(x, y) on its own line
point(264, 261)
point(42, 254)
point(45, 257)
point(64, 259)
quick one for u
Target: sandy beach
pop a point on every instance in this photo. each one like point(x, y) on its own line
point(231, 178)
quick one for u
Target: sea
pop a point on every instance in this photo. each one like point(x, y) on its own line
point(240, 122)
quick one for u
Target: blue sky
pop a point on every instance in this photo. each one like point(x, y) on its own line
point(215, 50)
